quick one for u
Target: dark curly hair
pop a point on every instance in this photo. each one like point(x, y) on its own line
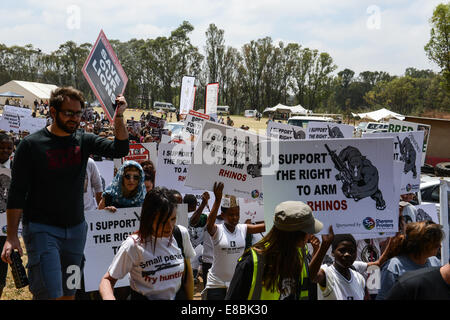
point(59, 95)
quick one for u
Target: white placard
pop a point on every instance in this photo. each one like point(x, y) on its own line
point(227, 155)
point(106, 232)
point(408, 150)
point(10, 122)
point(140, 152)
point(106, 170)
point(187, 91)
point(427, 212)
point(251, 209)
point(212, 97)
point(329, 130)
point(357, 198)
point(406, 126)
point(4, 226)
point(22, 112)
point(182, 215)
point(33, 124)
point(284, 131)
point(193, 125)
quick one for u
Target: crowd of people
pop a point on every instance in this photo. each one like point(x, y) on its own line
point(56, 166)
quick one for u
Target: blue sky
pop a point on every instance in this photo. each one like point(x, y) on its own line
point(358, 34)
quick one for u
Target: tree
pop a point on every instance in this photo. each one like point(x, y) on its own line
point(438, 48)
point(215, 50)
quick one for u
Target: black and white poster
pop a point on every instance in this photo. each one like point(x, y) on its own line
point(105, 75)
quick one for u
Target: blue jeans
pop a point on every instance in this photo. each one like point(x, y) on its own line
point(54, 258)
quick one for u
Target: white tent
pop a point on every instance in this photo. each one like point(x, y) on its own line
point(298, 109)
point(30, 90)
point(382, 114)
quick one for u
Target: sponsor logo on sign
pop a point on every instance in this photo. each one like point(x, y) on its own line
point(255, 194)
point(408, 187)
point(369, 223)
point(384, 224)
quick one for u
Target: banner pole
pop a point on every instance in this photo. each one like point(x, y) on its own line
point(444, 190)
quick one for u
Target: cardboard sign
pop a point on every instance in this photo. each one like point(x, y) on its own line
point(4, 226)
point(348, 183)
point(408, 150)
point(212, 98)
point(427, 212)
point(329, 130)
point(187, 91)
point(105, 75)
point(106, 170)
point(106, 232)
point(406, 126)
point(10, 122)
point(284, 131)
point(227, 155)
point(139, 152)
point(173, 164)
point(22, 112)
point(193, 125)
point(251, 209)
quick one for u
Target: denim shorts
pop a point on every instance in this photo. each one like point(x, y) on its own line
point(54, 259)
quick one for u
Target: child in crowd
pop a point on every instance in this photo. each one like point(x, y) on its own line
point(339, 281)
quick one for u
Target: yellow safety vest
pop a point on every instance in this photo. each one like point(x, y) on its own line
point(259, 292)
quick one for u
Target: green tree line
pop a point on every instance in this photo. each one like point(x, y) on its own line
point(261, 74)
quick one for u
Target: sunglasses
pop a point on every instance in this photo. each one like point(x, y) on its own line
point(135, 177)
point(69, 113)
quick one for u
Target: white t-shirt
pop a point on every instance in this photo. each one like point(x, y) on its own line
point(339, 288)
point(92, 185)
point(228, 248)
point(154, 274)
point(208, 246)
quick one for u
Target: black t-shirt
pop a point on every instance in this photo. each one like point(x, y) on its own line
point(422, 284)
point(48, 175)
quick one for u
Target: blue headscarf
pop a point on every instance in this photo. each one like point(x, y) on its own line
point(114, 190)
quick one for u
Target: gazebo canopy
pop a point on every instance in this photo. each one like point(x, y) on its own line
point(10, 94)
point(382, 114)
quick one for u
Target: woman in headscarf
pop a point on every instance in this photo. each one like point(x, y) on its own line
point(127, 189)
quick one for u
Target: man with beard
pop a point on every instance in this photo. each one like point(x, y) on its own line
point(47, 191)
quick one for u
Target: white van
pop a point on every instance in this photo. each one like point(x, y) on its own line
point(302, 121)
point(250, 113)
point(164, 106)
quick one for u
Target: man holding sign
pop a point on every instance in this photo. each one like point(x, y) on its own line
point(47, 191)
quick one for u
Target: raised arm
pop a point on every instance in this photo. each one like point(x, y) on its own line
point(120, 130)
point(210, 222)
point(317, 275)
point(195, 219)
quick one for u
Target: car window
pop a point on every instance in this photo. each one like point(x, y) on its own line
point(435, 194)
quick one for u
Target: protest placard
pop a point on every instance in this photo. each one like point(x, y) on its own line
point(106, 170)
point(182, 215)
point(227, 155)
point(140, 152)
point(173, 164)
point(328, 130)
point(22, 112)
point(106, 232)
point(32, 125)
point(105, 75)
point(187, 91)
point(348, 183)
point(251, 209)
point(193, 125)
point(427, 212)
point(405, 126)
point(4, 226)
point(284, 131)
point(408, 150)
point(212, 98)
point(10, 122)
